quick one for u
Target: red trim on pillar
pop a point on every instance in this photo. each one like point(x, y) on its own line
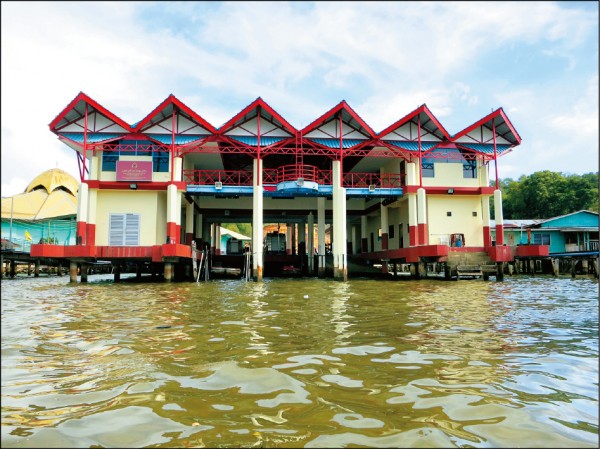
point(423, 234)
point(172, 231)
point(189, 237)
point(499, 235)
point(81, 232)
point(413, 235)
point(364, 245)
point(384, 240)
point(487, 237)
point(91, 234)
point(178, 235)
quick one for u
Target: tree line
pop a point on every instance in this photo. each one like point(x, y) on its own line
point(547, 194)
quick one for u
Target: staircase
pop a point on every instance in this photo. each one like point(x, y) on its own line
point(470, 264)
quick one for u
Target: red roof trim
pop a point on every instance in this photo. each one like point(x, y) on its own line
point(259, 102)
point(83, 97)
point(497, 113)
point(342, 105)
point(172, 99)
point(421, 109)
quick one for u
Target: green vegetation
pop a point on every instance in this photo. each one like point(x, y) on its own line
point(547, 194)
point(241, 228)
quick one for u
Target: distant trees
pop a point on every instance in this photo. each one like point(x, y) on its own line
point(547, 194)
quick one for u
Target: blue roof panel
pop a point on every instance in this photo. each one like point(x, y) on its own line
point(335, 143)
point(253, 140)
point(487, 148)
point(91, 137)
point(180, 139)
point(410, 145)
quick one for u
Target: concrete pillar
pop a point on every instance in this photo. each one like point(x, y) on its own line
point(485, 214)
point(288, 238)
point(340, 247)
point(91, 219)
point(82, 212)
point(213, 238)
point(28, 268)
point(311, 243)
point(138, 270)
point(217, 238)
point(423, 238)
point(355, 239)
point(499, 217)
point(199, 227)
point(117, 273)
point(301, 238)
point(84, 272)
point(189, 223)
point(364, 240)
point(321, 234)
point(36, 269)
point(168, 273)
point(206, 233)
point(554, 263)
point(573, 263)
point(384, 234)
point(413, 232)
point(257, 221)
point(13, 268)
point(177, 169)
point(173, 214)
point(72, 271)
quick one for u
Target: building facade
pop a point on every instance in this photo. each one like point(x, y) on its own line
point(411, 193)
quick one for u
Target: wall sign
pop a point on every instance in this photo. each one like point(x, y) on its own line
point(134, 171)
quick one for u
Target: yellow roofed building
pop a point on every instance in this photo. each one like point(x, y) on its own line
point(44, 212)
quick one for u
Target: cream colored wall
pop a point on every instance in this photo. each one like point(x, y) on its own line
point(462, 220)
point(161, 217)
point(145, 203)
point(449, 174)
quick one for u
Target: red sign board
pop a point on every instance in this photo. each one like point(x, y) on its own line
point(134, 171)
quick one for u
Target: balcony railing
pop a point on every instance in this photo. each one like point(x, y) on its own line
point(292, 173)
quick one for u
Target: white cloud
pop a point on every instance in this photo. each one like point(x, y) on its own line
point(384, 58)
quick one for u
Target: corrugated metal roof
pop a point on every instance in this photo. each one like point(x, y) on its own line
point(180, 139)
point(412, 146)
point(253, 140)
point(487, 148)
point(335, 143)
point(92, 137)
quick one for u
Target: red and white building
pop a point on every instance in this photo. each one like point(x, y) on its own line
point(406, 194)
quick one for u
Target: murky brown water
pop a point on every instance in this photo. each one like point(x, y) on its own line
point(300, 363)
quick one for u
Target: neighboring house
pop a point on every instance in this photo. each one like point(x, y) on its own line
point(571, 233)
point(227, 234)
point(45, 212)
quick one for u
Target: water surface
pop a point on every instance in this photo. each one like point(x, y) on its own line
point(300, 363)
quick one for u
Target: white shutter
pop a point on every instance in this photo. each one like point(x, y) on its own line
point(124, 230)
point(132, 229)
point(116, 229)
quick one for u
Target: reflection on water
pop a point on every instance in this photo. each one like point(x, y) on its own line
point(300, 363)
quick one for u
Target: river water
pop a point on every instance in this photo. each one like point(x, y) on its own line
point(300, 363)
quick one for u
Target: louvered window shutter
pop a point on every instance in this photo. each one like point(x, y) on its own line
point(124, 230)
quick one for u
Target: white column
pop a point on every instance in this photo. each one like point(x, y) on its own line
point(354, 238)
point(257, 221)
point(412, 220)
point(82, 203)
point(384, 226)
point(177, 169)
point(422, 217)
point(340, 265)
point(321, 233)
point(217, 238)
point(289, 229)
point(91, 218)
point(311, 242)
point(173, 213)
point(189, 222)
point(499, 217)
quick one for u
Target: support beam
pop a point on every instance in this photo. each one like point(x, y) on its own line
point(257, 221)
point(321, 235)
point(72, 272)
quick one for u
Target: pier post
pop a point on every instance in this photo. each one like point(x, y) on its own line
point(28, 268)
point(422, 270)
point(168, 274)
point(59, 269)
point(531, 263)
point(117, 273)
point(36, 269)
point(554, 264)
point(384, 235)
point(138, 270)
point(573, 263)
point(510, 269)
point(499, 271)
point(84, 272)
point(13, 268)
point(72, 272)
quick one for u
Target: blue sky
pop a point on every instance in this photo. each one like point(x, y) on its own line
point(537, 60)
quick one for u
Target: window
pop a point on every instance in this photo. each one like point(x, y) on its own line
point(448, 214)
point(160, 158)
point(474, 214)
point(541, 239)
point(124, 230)
point(427, 170)
point(470, 169)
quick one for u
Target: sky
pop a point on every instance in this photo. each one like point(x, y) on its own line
point(537, 60)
